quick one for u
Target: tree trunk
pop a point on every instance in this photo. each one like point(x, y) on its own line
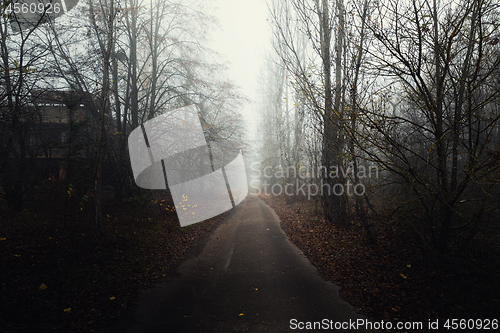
point(106, 48)
point(332, 147)
point(360, 207)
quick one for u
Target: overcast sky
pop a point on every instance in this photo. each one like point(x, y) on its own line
point(243, 39)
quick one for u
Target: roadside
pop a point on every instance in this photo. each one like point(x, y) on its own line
point(392, 280)
point(61, 278)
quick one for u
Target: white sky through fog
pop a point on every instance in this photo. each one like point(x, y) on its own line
point(243, 39)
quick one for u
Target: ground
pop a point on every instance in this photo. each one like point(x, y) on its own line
point(247, 278)
point(393, 279)
point(61, 277)
point(58, 277)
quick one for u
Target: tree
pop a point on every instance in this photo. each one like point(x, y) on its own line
point(23, 65)
point(443, 59)
point(271, 83)
point(105, 36)
point(127, 61)
point(315, 21)
point(359, 51)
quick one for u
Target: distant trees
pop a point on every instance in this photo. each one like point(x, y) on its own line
point(272, 84)
point(303, 34)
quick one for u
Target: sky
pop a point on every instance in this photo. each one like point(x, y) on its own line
point(243, 39)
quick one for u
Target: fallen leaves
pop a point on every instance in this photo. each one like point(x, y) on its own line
point(375, 279)
point(96, 282)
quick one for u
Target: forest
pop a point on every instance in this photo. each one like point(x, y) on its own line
point(378, 147)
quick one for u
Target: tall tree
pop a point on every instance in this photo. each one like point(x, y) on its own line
point(104, 32)
point(316, 21)
point(23, 65)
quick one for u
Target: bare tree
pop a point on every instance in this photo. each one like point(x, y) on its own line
point(23, 66)
point(443, 58)
point(104, 32)
point(316, 21)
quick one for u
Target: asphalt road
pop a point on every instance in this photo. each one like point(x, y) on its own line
point(247, 278)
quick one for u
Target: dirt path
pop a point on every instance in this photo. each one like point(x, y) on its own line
point(247, 278)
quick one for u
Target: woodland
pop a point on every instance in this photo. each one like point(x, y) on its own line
point(378, 147)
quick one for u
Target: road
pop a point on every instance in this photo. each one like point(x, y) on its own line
point(247, 278)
